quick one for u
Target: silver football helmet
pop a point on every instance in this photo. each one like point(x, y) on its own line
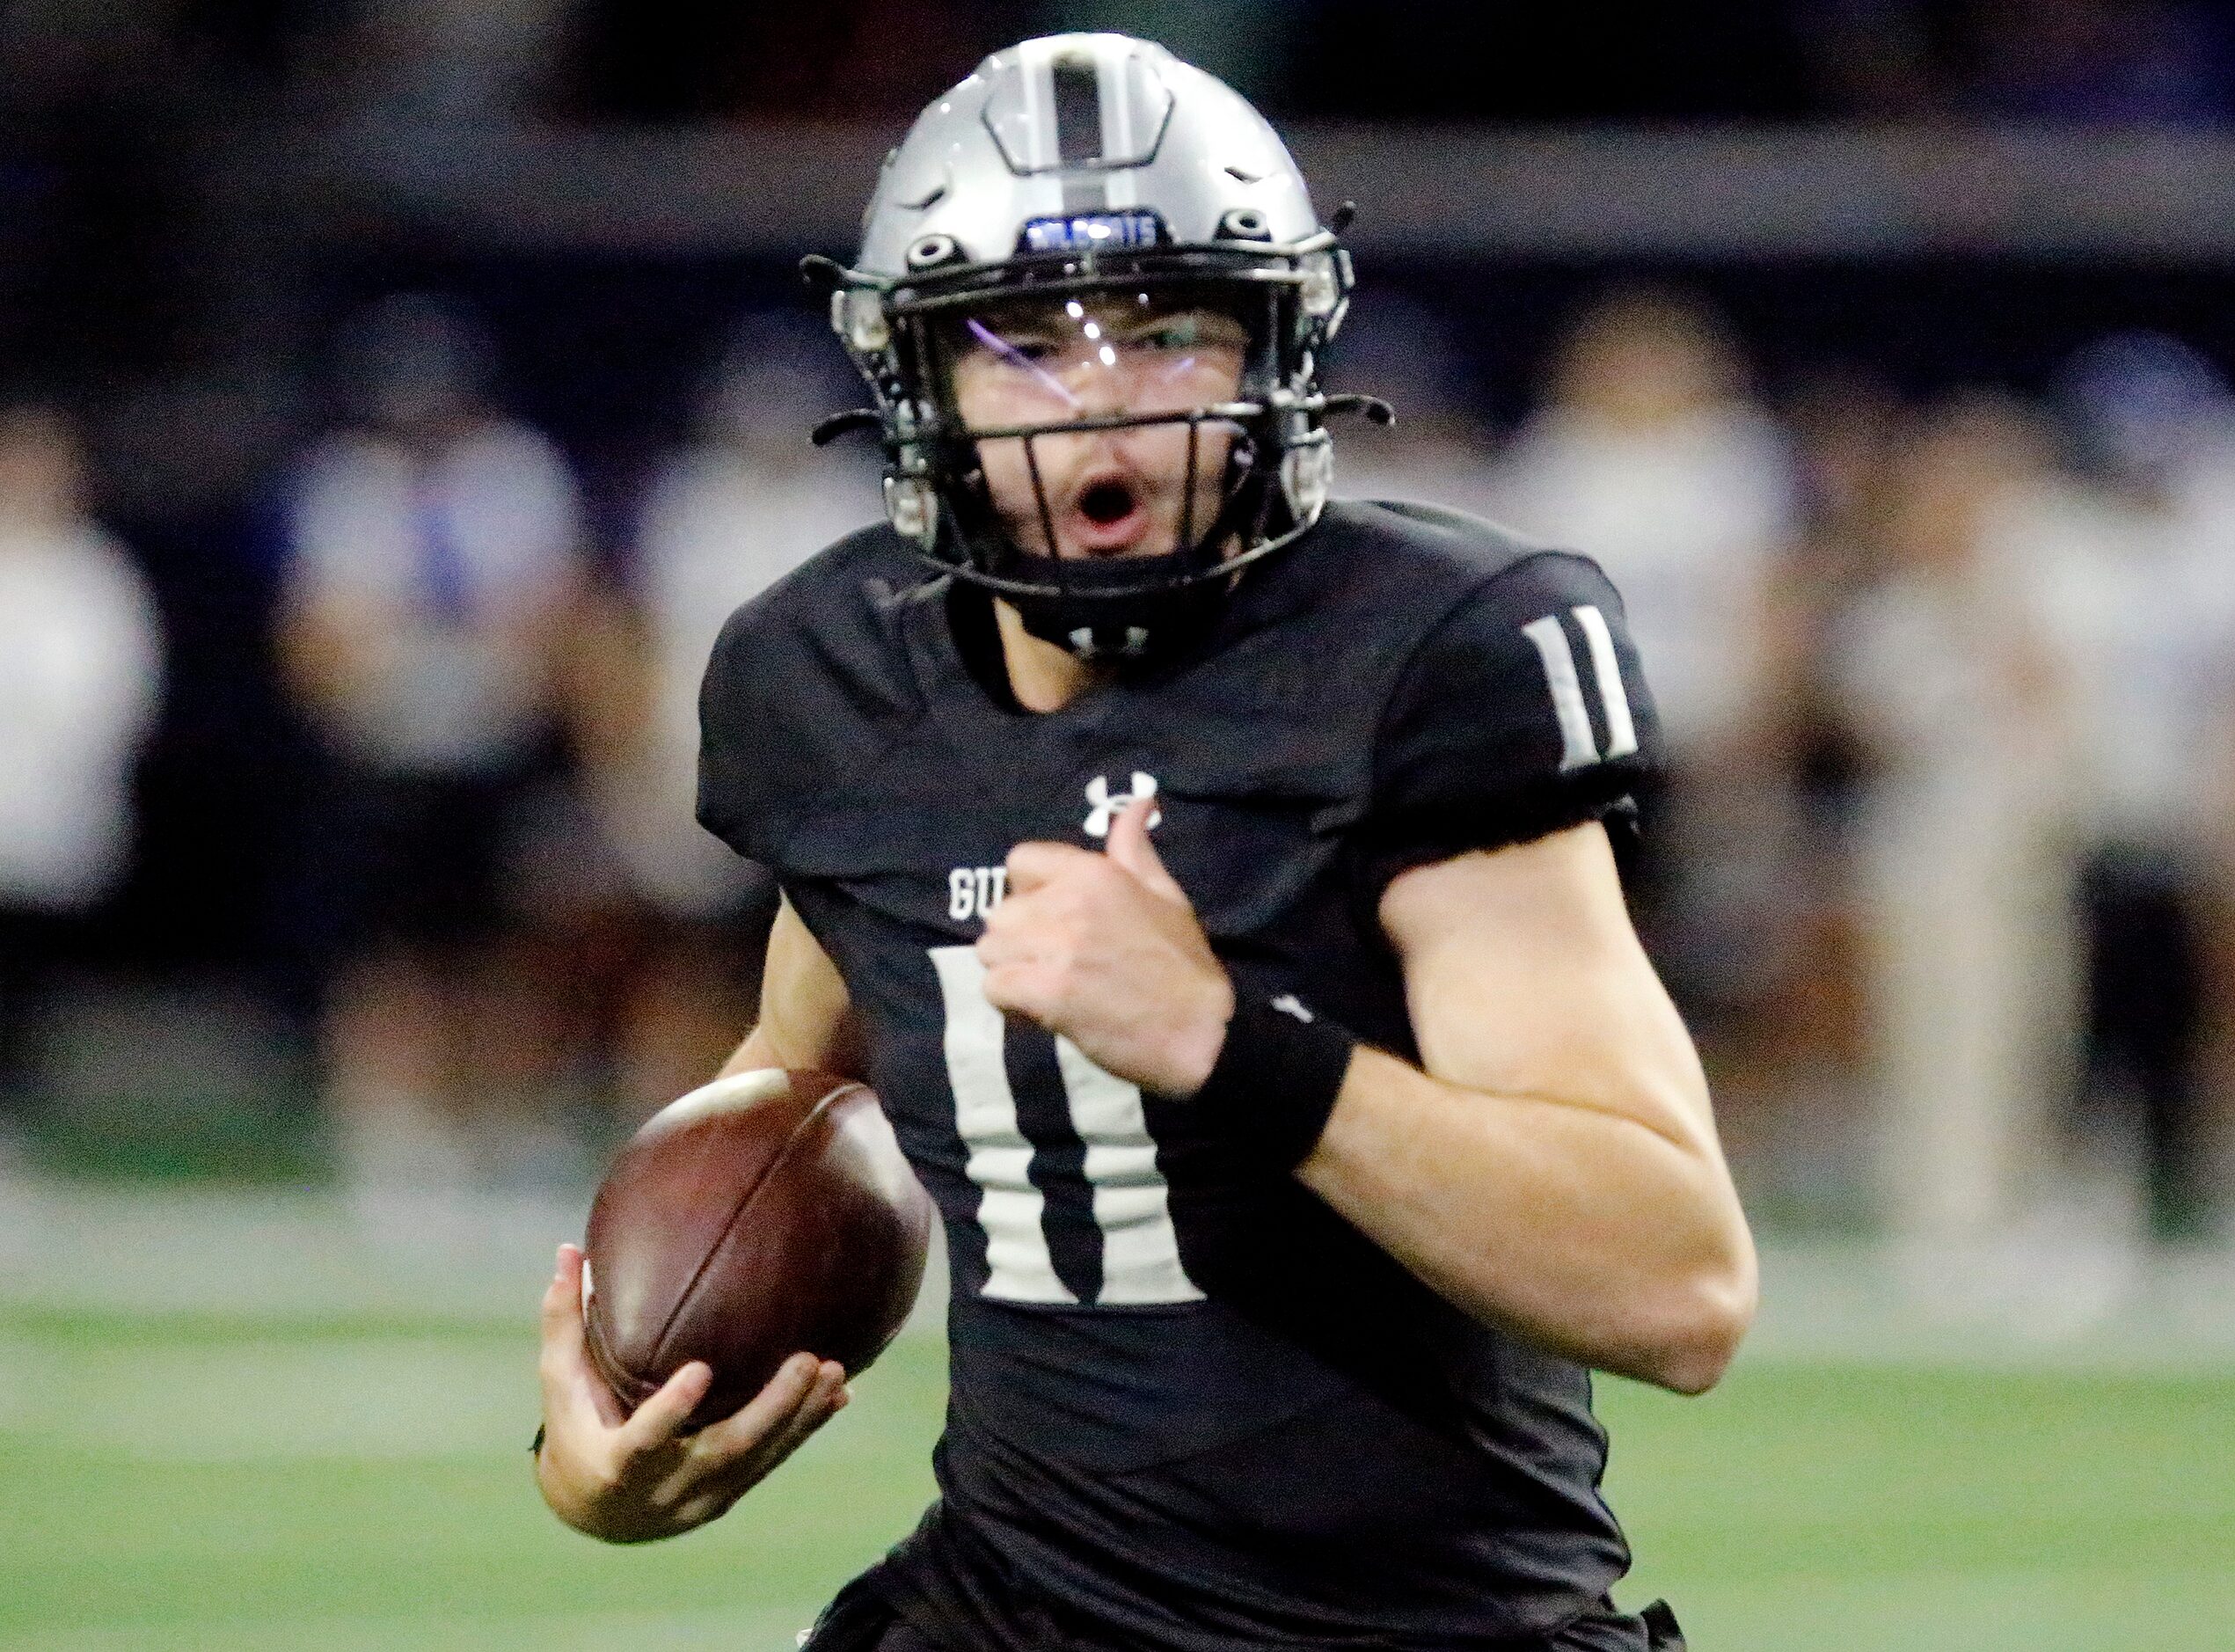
point(1065, 167)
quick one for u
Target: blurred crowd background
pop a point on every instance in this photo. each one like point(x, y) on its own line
point(395, 395)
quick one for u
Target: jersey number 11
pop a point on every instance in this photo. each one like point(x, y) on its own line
point(1129, 1195)
point(1579, 743)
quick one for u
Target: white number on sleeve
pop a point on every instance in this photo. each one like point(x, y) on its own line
point(1579, 743)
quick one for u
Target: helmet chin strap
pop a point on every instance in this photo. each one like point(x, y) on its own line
point(1105, 616)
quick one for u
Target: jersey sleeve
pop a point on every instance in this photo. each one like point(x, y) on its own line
point(743, 740)
point(1524, 712)
point(805, 690)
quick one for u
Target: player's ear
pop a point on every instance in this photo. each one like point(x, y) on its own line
point(1131, 848)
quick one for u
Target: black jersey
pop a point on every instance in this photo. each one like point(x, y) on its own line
point(1191, 1406)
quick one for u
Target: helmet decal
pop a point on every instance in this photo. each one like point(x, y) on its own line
point(1092, 232)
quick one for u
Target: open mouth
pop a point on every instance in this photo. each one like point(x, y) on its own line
point(1108, 513)
point(1107, 504)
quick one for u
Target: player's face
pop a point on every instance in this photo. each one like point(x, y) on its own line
point(1106, 493)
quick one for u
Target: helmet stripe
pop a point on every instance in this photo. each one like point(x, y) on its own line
point(1078, 103)
point(1075, 97)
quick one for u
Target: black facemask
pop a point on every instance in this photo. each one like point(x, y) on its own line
point(1116, 609)
point(1129, 608)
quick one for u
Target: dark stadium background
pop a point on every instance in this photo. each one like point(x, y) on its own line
point(2006, 1433)
point(152, 268)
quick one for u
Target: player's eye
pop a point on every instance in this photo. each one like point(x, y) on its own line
point(1015, 348)
point(1173, 333)
point(1189, 330)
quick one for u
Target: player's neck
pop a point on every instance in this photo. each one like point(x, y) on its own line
point(1043, 676)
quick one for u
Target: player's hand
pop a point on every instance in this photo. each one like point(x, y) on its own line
point(628, 1479)
point(1105, 950)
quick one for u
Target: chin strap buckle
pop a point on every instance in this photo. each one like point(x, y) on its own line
point(1091, 645)
point(913, 508)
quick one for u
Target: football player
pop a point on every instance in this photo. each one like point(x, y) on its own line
point(1218, 886)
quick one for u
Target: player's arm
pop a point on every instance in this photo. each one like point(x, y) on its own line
point(806, 1020)
point(628, 1478)
point(1555, 1168)
point(1551, 1168)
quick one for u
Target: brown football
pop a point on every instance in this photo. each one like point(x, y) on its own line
point(768, 1214)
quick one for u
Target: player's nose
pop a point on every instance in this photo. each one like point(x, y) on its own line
point(1100, 389)
point(1068, 457)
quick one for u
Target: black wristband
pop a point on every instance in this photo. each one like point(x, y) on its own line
point(1277, 1078)
point(536, 1449)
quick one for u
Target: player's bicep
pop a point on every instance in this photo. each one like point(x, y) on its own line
point(1524, 977)
point(807, 1019)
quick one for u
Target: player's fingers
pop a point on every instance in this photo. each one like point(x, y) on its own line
point(1018, 945)
point(562, 1304)
point(739, 1435)
point(574, 1395)
point(818, 1406)
point(561, 1318)
point(1131, 849)
point(1018, 987)
point(825, 1400)
point(826, 1397)
point(706, 1508)
point(663, 1416)
point(1007, 923)
point(1033, 865)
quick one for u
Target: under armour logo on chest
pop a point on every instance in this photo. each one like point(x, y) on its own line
point(1107, 805)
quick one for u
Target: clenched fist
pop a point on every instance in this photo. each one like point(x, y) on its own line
point(1105, 950)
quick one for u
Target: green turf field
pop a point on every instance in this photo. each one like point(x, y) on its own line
point(243, 1484)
